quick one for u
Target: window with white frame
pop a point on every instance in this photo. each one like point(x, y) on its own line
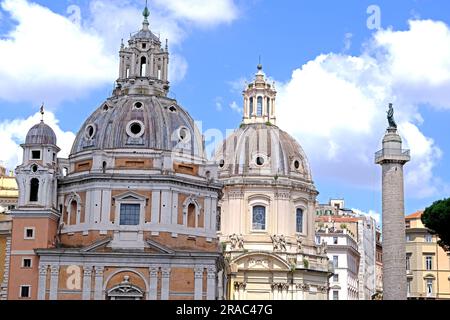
point(26, 263)
point(408, 287)
point(336, 277)
point(428, 238)
point(408, 262)
point(25, 291)
point(335, 295)
point(35, 154)
point(428, 262)
point(259, 218)
point(130, 214)
point(429, 285)
point(335, 261)
point(29, 233)
point(299, 220)
point(335, 240)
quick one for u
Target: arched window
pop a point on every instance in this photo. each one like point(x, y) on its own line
point(143, 66)
point(73, 212)
point(260, 106)
point(191, 216)
point(259, 218)
point(104, 166)
point(34, 190)
point(268, 107)
point(299, 221)
point(219, 219)
point(251, 106)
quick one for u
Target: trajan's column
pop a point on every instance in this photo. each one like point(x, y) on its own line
point(392, 159)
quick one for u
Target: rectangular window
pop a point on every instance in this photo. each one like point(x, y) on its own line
point(130, 214)
point(36, 155)
point(335, 295)
point(259, 218)
point(408, 287)
point(25, 291)
point(335, 240)
point(219, 219)
point(29, 233)
point(26, 263)
point(336, 278)
point(429, 287)
point(429, 263)
point(428, 238)
point(299, 221)
point(335, 261)
point(317, 239)
point(408, 238)
point(408, 262)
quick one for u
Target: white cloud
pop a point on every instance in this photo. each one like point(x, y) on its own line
point(13, 133)
point(76, 54)
point(235, 107)
point(335, 105)
point(46, 57)
point(203, 12)
point(348, 41)
point(375, 215)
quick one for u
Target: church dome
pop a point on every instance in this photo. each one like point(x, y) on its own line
point(41, 134)
point(256, 150)
point(147, 122)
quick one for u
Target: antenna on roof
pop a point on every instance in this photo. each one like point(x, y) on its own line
point(42, 112)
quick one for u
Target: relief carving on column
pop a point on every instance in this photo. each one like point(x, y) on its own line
point(212, 272)
point(198, 271)
point(303, 287)
point(165, 271)
point(153, 271)
point(54, 270)
point(99, 271)
point(43, 269)
point(87, 270)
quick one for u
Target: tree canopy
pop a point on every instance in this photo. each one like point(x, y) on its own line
point(437, 219)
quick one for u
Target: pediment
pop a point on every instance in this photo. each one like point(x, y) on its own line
point(261, 261)
point(130, 196)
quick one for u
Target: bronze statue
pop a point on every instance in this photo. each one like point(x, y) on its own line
point(390, 117)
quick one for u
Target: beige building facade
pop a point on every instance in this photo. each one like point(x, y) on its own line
point(427, 264)
point(267, 209)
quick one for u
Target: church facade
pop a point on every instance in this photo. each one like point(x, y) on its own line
point(267, 211)
point(131, 214)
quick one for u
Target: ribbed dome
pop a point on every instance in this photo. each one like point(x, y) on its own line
point(146, 122)
point(41, 134)
point(262, 150)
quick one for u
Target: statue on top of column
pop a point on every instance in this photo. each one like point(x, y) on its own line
point(390, 117)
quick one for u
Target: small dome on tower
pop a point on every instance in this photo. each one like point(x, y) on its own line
point(41, 134)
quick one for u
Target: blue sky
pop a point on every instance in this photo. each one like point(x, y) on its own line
point(335, 76)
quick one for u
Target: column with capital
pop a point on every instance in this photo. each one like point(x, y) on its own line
point(153, 283)
point(198, 274)
point(211, 283)
point(87, 280)
point(54, 275)
point(98, 294)
point(42, 281)
point(165, 283)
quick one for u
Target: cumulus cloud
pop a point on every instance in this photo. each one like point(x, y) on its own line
point(203, 12)
point(236, 108)
point(75, 54)
point(335, 105)
point(373, 214)
point(47, 57)
point(13, 133)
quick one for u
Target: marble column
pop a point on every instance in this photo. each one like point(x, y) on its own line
point(87, 280)
point(153, 283)
point(165, 283)
point(198, 294)
point(211, 283)
point(54, 275)
point(42, 281)
point(98, 291)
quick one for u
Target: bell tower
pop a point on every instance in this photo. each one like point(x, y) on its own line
point(144, 63)
point(35, 221)
point(259, 100)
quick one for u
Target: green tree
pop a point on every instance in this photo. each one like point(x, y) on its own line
point(437, 219)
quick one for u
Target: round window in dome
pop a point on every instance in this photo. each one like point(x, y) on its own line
point(222, 163)
point(135, 129)
point(260, 161)
point(34, 168)
point(138, 105)
point(297, 164)
point(90, 131)
point(184, 135)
